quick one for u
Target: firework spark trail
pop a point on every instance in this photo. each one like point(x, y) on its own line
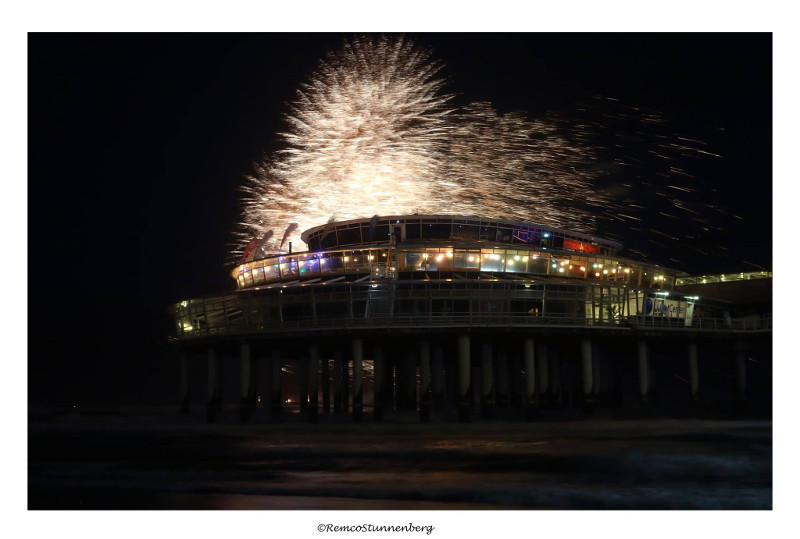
point(512, 167)
point(373, 133)
point(655, 176)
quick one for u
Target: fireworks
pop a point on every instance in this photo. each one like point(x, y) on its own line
point(372, 132)
point(367, 135)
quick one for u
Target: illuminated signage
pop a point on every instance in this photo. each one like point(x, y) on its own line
point(580, 246)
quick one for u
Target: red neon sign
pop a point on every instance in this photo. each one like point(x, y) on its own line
point(582, 247)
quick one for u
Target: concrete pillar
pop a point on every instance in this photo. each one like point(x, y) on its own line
point(326, 386)
point(407, 381)
point(739, 375)
point(392, 367)
point(302, 378)
point(183, 365)
point(313, 383)
point(596, 373)
point(345, 383)
point(644, 371)
point(338, 379)
point(276, 400)
point(541, 353)
point(437, 378)
point(530, 378)
point(503, 396)
point(451, 381)
point(379, 390)
point(475, 385)
point(424, 381)
point(694, 378)
point(586, 369)
point(555, 374)
point(358, 395)
point(518, 391)
point(247, 402)
point(487, 377)
point(411, 378)
point(464, 374)
point(214, 396)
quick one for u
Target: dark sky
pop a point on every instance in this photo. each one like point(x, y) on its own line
point(137, 143)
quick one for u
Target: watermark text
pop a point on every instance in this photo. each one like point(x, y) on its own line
point(375, 528)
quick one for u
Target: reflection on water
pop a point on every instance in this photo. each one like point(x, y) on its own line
point(653, 464)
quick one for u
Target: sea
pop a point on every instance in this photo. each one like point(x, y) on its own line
point(160, 460)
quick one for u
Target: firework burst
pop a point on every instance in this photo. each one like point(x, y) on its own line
point(366, 135)
point(372, 132)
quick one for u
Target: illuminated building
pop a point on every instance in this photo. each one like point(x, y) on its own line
point(447, 309)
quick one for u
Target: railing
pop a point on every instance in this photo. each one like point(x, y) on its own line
point(245, 325)
point(723, 278)
point(758, 323)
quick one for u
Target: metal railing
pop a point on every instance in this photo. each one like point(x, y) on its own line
point(723, 278)
point(249, 324)
point(758, 323)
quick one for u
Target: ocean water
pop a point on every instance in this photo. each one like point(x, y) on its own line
point(163, 461)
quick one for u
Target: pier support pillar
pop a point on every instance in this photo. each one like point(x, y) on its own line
point(694, 378)
point(541, 365)
point(464, 374)
point(487, 376)
point(247, 403)
point(530, 378)
point(597, 381)
point(302, 378)
point(338, 380)
point(379, 372)
point(326, 386)
point(409, 400)
point(358, 377)
point(424, 381)
point(214, 395)
point(644, 371)
point(437, 378)
point(183, 365)
point(275, 398)
point(345, 384)
point(312, 370)
point(586, 370)
point(555, 375)
point(503, 396)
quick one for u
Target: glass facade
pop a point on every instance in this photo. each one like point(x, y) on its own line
point(381, 262)
point(404, 228)
point(385, 247)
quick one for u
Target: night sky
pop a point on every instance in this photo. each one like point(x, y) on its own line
point(138, 142)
